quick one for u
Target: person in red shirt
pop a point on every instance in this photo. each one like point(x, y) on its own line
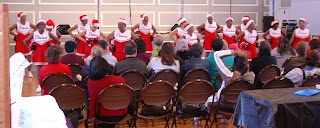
point(53, 56)
point(99, 79)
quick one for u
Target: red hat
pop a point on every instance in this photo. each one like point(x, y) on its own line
point(245, 18)
point(274, 22)
point(122, 20)
point(95, 23)
point(50, 24)
point(21, 14)
point(229, 18)
point(40, 21)
point(210, 15)
point(142, 16)
point(187, 26)
point(305, 21)
point(181, 20)
point(83, 17)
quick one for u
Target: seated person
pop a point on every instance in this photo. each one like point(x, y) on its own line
point(100, 78)
point(182, 50)
point(262, 60)
point(71, 57)
point(297, 75)
point(141, 51)
point(300, 60)
point(195, 61)
point(283, 51)
point(109, 58)
point(96, 50)
point(53, 55)
point(315, 46)
point(131, 62)
point(157, 40)
point(217, 45)
point(165, 60)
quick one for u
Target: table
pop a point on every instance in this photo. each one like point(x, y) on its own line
point(277, 108)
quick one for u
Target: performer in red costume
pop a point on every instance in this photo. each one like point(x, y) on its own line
point(23, 31)
point(250, 37)
point(121, 36)
point(51, 28)
point(92, 36)
point(300, 34)
point(83, 25)
point(179, 31)
point(209, 32)
point(145, 28)
point(229, 31)
point(190, 36)
point(275, 33)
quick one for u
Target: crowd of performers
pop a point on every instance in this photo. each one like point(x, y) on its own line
point(34, 44)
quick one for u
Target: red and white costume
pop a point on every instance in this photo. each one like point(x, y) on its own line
point(91, 37)
point(50, 25)
point(243, 27)
point(275, 36)
point(180, 31)
point(42, 42)
point(119, 40)
point(23, 32)
point(80, 44)
point(301, 35)
point(193, 39)
point(209, 34)
point(145, 33)
point(250, 39)
point(229, 34)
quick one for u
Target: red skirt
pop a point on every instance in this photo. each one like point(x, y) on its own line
point(38, 55)
point(297, 40)
point(20, 46)
point(230, 40)
point(147, 41)
point(207, 41)
point(87, 49)
point(119, 50)
point(119, 55)
point(252, 50)
point(274, 42)
point(81, 47)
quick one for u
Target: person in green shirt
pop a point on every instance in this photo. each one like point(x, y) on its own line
point(217, 45)
point(157, 40)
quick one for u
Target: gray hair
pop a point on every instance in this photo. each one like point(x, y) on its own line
point(181, 45)
point(157, 40)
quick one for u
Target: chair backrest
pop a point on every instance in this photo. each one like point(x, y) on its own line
point(269, 73)
point(286, 62)
point(135, 79)
point(231, 92)
point(218, 79)
point(75, 70)
point(69, 96)
point(114, 97)
point(157, 93)
point(278, 82)
point(310, 81)
point(55, 79)
point(168, 75)
point(197, 73)
point(196, 91)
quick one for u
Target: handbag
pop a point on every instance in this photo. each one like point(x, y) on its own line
point(155, 110)
point(186, 110)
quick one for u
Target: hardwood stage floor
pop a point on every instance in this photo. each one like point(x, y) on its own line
point(31, 84)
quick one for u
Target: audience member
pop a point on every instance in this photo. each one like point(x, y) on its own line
point(157, 40)
point(182, 50)
point(165, 60)
point(195, 61)
point(53, 56)
point(315, 46)
point(141, 51)
point(297, 75)
point(217, 45)
point(300, 60)
point(283, 51)
point(96, 50)
point(100, 78)
point(71, 57)
point(109, 58)
point(131, 62)
point(262, 60)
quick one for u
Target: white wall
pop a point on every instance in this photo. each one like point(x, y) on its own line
point(308, 9)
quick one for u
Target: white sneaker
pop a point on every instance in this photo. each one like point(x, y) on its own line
point(38, 90)
point(30, 74)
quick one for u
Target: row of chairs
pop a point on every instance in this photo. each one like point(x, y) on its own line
point(158, 93)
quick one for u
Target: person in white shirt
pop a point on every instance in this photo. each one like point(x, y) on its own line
point(165, 60)
point(297, 75)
